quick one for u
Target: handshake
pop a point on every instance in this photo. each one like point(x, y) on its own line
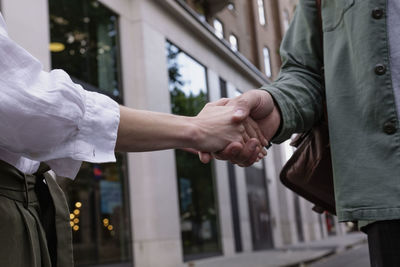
point(236, 129)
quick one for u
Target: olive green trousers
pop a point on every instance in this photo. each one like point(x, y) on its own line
point(34, 220)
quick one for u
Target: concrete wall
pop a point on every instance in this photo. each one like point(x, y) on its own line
point(28, 26)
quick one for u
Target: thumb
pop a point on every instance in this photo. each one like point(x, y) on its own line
point(242, 108)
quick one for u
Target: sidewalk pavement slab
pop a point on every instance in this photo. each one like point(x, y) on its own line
point(294, 255)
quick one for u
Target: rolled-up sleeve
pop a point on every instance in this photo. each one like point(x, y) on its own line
point(45, 116)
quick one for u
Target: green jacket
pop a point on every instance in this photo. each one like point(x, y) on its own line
point(363, 122)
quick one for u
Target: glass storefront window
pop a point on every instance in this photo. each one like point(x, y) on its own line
point(84, 42)
point(198, 209)
point(98, 213)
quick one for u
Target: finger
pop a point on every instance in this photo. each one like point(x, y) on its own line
point(250, 161)
point(243, 105)
point(220, 102)
point(248, 153)
point(205, 157)
point(263, 152)
point(253, 131)
point(260, 134)
point(245, 137)
point(250, 128)
point(229, 152)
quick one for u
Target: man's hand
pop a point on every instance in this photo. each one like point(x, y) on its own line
point(258, 105)
point(218, 125)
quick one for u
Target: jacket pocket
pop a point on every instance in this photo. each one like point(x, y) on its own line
point(333, 12)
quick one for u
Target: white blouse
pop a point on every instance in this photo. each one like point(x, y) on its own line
point(45, 117)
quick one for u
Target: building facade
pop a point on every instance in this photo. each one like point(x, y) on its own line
point(165, 209)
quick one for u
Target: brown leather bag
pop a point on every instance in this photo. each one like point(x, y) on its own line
point(309, 171)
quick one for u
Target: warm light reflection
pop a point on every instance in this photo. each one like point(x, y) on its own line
point(56, 47)
point(76, 220)
point(76, 212)
point(110, 227)
point(72, 224)
point(75, 228)
point(71, 216)
point(78, 205)
point(106, 222)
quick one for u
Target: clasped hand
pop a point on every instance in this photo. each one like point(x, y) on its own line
point(237, 129)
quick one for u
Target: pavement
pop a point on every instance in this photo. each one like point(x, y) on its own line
point(298, 255)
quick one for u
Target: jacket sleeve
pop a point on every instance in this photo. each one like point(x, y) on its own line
point(297, 91)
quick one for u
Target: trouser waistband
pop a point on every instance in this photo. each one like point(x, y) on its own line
point(17, 185)
point(41, 190)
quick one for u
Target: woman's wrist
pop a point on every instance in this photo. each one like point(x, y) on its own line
point(193, 135)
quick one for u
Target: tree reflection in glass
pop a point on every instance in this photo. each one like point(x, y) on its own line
point(198, 212)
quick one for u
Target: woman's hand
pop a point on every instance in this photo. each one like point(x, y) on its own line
point(260, 108)
point(223, 125)
point(218, 125)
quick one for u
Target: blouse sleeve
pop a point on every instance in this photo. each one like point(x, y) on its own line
point(44, 116)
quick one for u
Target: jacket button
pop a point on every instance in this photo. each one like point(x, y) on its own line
point(380, 69)
point(390, 127)
point(377, 13)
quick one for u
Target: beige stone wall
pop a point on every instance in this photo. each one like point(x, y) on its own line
point(243, 22)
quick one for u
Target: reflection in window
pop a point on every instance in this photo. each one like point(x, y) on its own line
point(198, 212)
point(286, 20)
point(85, 33)
point(267, 62)
point(231, 6)
point(261, 12)
point(234, 42)
point(98, 213)
point(84, 42)
point(218, 29)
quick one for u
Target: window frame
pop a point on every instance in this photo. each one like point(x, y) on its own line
point(267, 58)
point(190, 257)
point(216, 32)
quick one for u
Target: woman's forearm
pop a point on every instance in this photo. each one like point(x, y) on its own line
point(141, 130)
point(211, 130)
